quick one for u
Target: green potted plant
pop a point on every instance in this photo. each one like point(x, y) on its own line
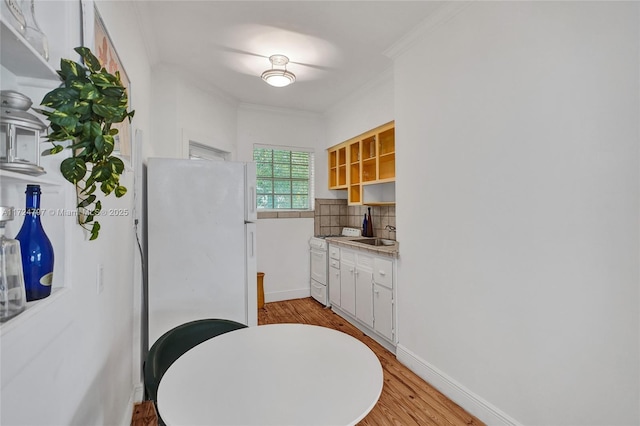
point(83, 110)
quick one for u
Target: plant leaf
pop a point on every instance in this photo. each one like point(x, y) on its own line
point(84, 203)
point(99, 143)
point(89, 58)
point(73, 169)
point(101, 172)
point(113, 92)
point(59, 96)
point(89, 189)
point(63, 119)
point(107, 187)
point(51, 151)
point(108, 144)
point(120, 191)
point(110, 113)
point(117, 165)
point(95, 230)
point(69, 68)
point(89, 92)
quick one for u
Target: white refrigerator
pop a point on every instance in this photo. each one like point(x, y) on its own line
point(201, 239)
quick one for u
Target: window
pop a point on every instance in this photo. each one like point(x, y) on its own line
point(284, 178)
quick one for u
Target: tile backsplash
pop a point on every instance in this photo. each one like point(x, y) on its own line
point(332, 215)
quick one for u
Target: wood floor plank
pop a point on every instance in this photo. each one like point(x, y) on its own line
point(144, 414)
point(406, 399)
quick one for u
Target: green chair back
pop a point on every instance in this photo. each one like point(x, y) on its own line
point(175, 342)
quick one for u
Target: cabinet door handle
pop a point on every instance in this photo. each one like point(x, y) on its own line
point(381, 273)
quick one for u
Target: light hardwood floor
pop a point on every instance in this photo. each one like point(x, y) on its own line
point(406, 399)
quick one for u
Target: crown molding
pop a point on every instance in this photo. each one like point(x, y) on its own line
point(446, 12)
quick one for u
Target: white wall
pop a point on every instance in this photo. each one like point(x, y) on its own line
point(517, 156)
point(283, 255)
point(72, 362)
point(165, 133)
point(283, 249)
point(207, 117)
point(186, 112)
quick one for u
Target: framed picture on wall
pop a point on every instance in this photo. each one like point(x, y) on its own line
point(96, 37)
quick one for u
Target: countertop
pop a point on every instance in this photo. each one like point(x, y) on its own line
point(391, 251)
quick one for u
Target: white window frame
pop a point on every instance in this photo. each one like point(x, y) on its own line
point(311, 193)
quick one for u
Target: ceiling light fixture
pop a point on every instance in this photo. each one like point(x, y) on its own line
point(278, 77)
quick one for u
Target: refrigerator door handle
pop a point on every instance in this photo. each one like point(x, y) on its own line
point(251, 201)
point(252, 205)
point(252, 271)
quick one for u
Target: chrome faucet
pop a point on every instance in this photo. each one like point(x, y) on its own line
point(390, 228)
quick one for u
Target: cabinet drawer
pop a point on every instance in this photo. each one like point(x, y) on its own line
point(334, 263)
point(319, 292)
point(383, 272)
point(334, 252)
point(348, 255)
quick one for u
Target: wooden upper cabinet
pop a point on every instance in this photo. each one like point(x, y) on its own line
point(367, 159)
point(387, 155)
point(338, 167)
point(355, 173)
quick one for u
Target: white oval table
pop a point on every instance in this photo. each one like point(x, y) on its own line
point(279, 374)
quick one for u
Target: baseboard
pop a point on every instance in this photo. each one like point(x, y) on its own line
point(136, 395)
point(277, 296)
point(459, 394)
point(365, 329)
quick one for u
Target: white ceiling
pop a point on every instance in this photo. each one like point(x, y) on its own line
point(334, 47)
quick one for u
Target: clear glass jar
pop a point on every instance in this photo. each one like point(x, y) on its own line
point(12, 292)
point(33, 33)
point(11, 10)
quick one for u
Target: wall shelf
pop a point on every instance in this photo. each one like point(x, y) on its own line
point(10, 177)
point(32, 309)
point(19, 57)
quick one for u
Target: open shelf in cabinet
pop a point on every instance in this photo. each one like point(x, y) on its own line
point(19, 57)
point(387, 166)
point(342, 166)
point(355, 194)
point(338, 167)
point(10, 177)
point(333, 169)
point(32, 309)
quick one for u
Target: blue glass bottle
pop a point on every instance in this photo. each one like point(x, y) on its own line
point(37, 251)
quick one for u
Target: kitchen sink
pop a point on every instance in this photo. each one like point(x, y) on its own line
point(375, 241)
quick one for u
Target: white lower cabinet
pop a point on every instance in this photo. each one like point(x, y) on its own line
point(334, 282)
point(361, 289)
point(347, 283)
point(364, 291)
point(383, 309)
